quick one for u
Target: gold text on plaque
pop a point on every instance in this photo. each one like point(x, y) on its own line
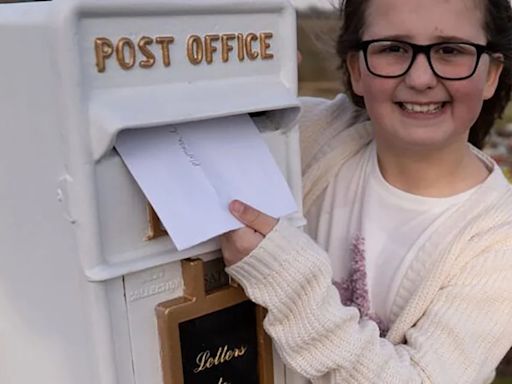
point(147, 51)
point(205, 360)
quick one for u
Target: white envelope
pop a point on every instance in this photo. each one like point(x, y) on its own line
point(190, 172)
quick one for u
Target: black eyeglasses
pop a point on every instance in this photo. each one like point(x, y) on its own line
point(449, 60)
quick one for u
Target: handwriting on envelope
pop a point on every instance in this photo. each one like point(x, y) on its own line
point(190, 172)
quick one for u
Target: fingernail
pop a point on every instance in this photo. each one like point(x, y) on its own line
point(236, 207)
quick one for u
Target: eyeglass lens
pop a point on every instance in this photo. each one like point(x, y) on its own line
point(448, 60)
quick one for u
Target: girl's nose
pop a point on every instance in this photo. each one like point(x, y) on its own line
point(420, 76)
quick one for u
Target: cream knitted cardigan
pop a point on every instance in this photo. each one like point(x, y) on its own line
point(454, 328)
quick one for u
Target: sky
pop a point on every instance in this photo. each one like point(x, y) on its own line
point(306, 3)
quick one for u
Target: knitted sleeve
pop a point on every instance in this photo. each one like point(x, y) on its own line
point(322, 120)
point(329, 134)
point(459, 339)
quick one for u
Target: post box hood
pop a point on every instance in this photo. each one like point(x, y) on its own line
point(114, 110)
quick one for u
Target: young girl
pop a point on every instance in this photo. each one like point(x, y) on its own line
point(410, 277)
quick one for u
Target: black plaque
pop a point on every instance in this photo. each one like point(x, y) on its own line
point(221, 347)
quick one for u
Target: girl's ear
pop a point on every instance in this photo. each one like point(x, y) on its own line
point(493, 75)
point(354, 68)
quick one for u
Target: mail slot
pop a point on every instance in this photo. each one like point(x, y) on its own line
point(85, 297)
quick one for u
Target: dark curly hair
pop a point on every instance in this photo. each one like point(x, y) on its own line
point(498, 27)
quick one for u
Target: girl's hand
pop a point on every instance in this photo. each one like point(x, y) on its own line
point(239, 243)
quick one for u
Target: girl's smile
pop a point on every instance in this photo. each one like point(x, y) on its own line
point(429, 108)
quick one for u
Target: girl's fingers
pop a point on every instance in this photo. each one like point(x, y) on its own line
point(252, 217)
point(238, 244)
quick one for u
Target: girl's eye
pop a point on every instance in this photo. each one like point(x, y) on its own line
point(454, 50)
point(447, 50)
point(389, 48)
point(394, 48)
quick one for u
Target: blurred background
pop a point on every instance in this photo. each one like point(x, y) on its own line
point(318, 25)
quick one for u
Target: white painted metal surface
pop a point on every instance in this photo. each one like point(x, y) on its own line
point(78, 283)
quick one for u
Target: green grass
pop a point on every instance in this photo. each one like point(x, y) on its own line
point(503, 380)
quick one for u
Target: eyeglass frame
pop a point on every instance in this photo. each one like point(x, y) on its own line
point(425, 49)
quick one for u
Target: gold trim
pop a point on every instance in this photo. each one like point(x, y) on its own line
point(155, 227)
point(196, 303)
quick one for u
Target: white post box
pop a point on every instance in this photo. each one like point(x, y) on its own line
point(79, 281)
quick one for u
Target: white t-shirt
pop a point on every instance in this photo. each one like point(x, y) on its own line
point(392, 222)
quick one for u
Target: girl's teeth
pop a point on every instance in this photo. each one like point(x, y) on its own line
point(422, 108)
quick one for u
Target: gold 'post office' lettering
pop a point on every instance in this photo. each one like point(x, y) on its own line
point(241, 46)
point(209, 47)
point(195, 49)
point(227, 48)
point(165, 42)
point(125, 44)
point(104, 49)
point(249, 49)
point(265, 45)
point(150, 59)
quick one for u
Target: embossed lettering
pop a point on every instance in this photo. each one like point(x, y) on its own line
point(150, 58)
point(122, 45)
point(195, 49)
point(154, 289)
point(104, 50)
point(241, 46)
point(226, 45)
point(249, 49)
point(265, 45)
point(165, 42)
point(209, 47)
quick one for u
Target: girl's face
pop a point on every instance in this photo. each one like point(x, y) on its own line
point(418, 110)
